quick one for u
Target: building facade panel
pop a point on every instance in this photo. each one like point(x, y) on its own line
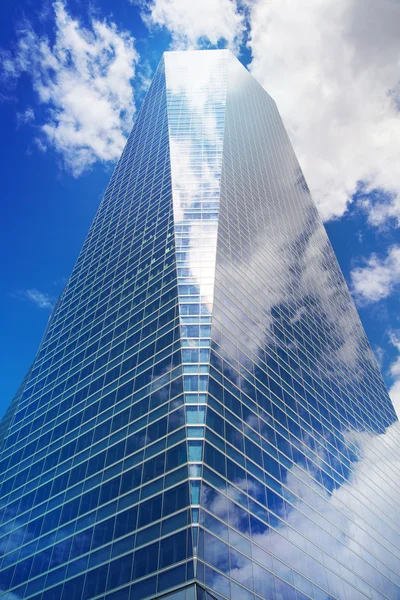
point(204, 419)
point(297, 409)
point(94, 473)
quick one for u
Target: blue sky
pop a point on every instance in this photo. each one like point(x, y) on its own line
point(74, 73)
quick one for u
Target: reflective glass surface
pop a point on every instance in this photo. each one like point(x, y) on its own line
point(297, 497)
point(93, 468)
point(204, 419)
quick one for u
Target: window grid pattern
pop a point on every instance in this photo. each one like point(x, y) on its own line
point(296, 401)
point(94, 475)
point(204, 419)
point(196, 91)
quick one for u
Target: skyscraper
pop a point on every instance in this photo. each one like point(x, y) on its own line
point(204, 418)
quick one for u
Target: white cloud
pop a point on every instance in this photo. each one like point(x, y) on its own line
point(377, 279)
point(84, 79)
point(25, 117)
point(333, 69)
point(41, 299)
point(382, 211)
point(191, 22)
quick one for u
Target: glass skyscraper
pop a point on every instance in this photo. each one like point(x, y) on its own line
point(204, 418)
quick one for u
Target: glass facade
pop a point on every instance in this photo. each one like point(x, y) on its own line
point(204, 419)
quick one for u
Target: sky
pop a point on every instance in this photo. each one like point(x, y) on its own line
point(73, 75)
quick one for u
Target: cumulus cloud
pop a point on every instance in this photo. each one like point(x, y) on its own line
point(83, 79)
point(378, 277)
point(332, 68)
point(195, 22)
point(41, 299)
